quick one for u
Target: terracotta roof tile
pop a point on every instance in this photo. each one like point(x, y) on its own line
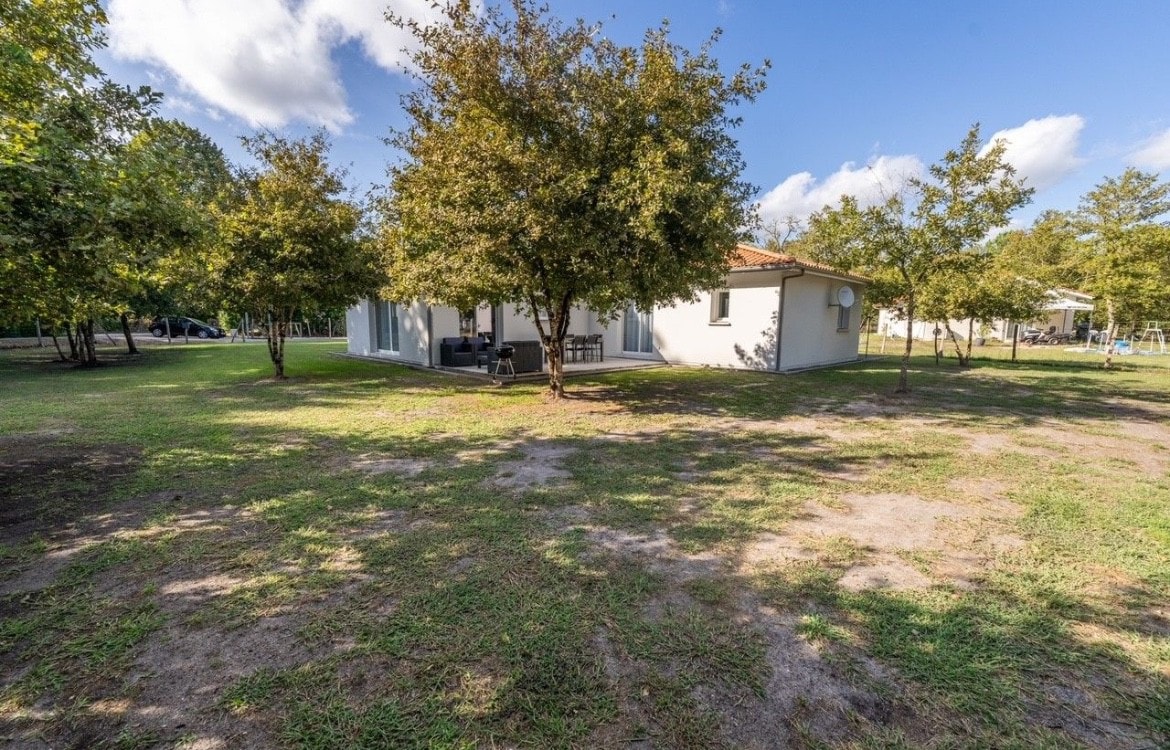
point(746, 256)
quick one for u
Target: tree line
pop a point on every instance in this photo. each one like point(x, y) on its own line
point(935, 248)
point(543, 165)
point(109, 210)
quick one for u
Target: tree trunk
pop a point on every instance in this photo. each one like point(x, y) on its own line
point(72, 342)
point(276, 335)
point(555, 351)
point(554, 343)
point(904, 375)
point(88, 342)
point(1110, 322)
point(964, 359)
point(970, 341)
point(1110, 325)
point(131, 348)
point(57, 344)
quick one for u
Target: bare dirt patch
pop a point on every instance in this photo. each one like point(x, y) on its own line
point(806, 695)
point(885, 528)
point(540, 467)
point(1132, 447)
point(45, 483)
point(403, 467)
point(809, 700)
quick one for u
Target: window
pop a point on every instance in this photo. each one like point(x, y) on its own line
point(721, 306)
point(386, 322)
point(638, 331)
point(467, 322)
point(843, 317)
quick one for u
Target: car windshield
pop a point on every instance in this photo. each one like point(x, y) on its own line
point(198, 322)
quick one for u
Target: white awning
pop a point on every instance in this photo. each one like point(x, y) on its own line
point(1064, 303)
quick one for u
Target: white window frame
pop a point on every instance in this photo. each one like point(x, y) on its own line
point(386, 314)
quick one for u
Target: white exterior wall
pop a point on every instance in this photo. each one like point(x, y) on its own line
point(892, 325)
point(359, 328)
point(517, 327)
point(685, 333)
point(809, 335)
point(412, 331)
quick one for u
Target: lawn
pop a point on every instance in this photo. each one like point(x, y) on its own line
point(366, 556)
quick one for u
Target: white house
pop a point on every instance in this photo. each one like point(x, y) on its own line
point(1058, 312)
point(774, 312)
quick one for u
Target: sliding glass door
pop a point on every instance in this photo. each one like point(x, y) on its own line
point(386, 321)
point(638, 332)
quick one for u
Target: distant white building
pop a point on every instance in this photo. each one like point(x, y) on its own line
point(774, 312)
point(1058, 314)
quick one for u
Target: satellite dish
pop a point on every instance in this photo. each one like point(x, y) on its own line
point(845, 297)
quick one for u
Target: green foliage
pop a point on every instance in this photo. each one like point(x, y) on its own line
point(169, 175)
point(288, 238)
point(548, 167)
point(45, 50)
point(924, 232)
point(1112, 247)
point(94, 192)
point(980, 285)
point(1123, 257)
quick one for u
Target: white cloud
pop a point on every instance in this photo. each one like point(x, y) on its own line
point(802, 194)
point(266, 61)
point(1154, 153)
point(1043, 150)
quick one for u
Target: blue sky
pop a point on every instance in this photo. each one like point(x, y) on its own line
point(860, 95)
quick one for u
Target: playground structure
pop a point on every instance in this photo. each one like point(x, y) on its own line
point(1151, 340)
point(1152, 336)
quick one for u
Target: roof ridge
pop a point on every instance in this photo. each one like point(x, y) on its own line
point(783, 257)
point(744, 252)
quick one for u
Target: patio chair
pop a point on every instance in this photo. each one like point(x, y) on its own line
point(575, 347)
point(594, 345)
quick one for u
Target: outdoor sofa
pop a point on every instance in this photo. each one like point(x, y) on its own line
point(528, 356)
point(462, 351)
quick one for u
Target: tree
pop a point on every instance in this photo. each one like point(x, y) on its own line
point(61, 248)
point(288, 239)
point(548, 167)
point(65, 133)
point(45, 54)
point(979, 286)
point(1122, 258)
point(166, 178)
point(920, 233)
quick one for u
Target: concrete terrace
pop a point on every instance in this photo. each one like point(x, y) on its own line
point(572, 369)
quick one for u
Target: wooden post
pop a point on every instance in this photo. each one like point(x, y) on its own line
point(40, 342)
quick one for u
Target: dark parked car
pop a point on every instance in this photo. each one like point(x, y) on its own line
point(186, 327)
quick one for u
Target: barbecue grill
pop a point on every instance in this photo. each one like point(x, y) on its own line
point(504, 358)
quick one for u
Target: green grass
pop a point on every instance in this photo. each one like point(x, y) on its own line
point(181, 496)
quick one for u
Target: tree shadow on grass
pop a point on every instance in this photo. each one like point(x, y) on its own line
point(405, 586)
point(1022, 395)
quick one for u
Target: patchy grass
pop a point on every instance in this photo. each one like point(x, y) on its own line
point(370, 556)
